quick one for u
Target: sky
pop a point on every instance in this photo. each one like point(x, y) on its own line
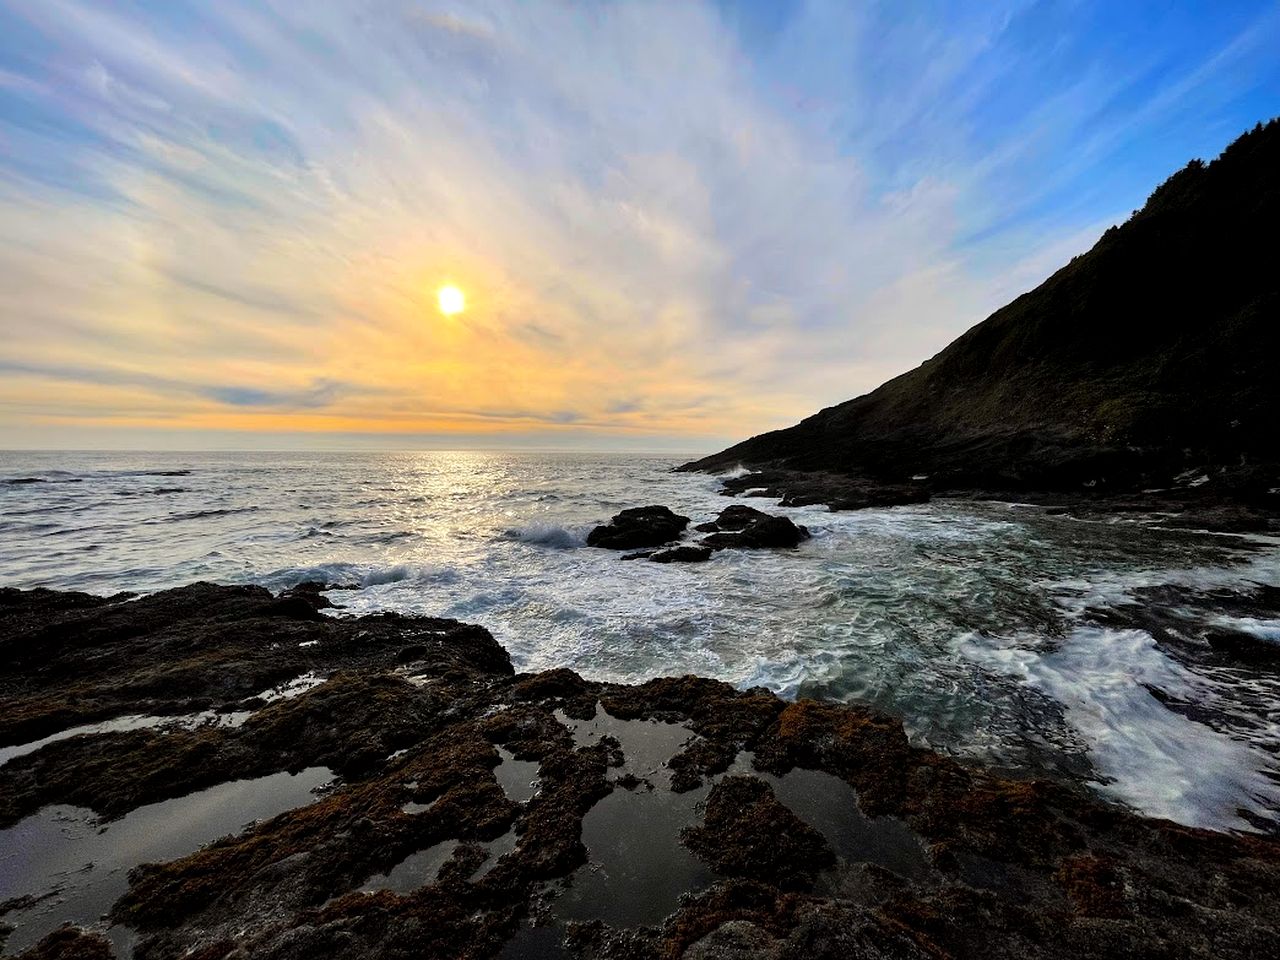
point(224, 224)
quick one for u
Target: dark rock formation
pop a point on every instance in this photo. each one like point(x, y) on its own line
point(795, 488)
point(1150, 355)
point(638, 527)
point(74, 658)
point(680, 554)
point(70, 943)
point(685, 554)
point(1012, 869)
point(737, 517)
point(746, 832)
point(742, 526)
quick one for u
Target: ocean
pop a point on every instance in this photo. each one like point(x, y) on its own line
point(984, 626)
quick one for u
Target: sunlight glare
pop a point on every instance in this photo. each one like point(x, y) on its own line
point(451, 300)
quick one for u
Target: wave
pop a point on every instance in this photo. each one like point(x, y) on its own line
point(153, 492)
point(401, 571)
point(734, 472)
point(546, 535)
point(389, 536)
point(204, 514)
point(1158, 761)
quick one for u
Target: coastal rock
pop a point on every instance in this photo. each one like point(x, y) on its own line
point(797, 488)
point(735, 940)
point(737, 517)
point(71, 943)
point(1244, 646)
point(638, 527)
point(680, 554)
point(746, 832)
point(1013, 868)
point(684, 554)
point(746, 527)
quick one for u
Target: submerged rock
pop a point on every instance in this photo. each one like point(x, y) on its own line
point(680, 554)
point(638, 527)
point(747, 527)
point(1245, 646)
point(686, 554)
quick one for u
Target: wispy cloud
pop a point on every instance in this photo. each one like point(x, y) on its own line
point(670, 218)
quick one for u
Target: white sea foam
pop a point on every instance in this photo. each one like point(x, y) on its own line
point(546, 535)
point(1148, 756)
point(1108, 588)
point(1263, 629)
point(734, 472)
point(394, 574)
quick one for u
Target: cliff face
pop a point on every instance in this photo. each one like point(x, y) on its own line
point(1153, 352)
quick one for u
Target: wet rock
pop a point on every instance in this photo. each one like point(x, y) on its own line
point(70, 943)
point(1244, 646)
point(1224, 518)
point(638, 527)
point(746, 832)
point(73, 659)
point(745, 527)
point(735, 940)
point(682, 555)
point(1018, 868)
point(737, 517)
point(796, 488)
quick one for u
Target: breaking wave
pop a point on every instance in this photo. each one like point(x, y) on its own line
point(546, 535)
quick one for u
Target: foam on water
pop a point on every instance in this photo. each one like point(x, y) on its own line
point(964, 619)
point(1148, 756)
point(546, 535)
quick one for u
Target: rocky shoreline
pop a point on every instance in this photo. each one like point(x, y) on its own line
point(1217, 500)
point(544, 815)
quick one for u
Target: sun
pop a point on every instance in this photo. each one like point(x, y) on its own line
point(451, 300)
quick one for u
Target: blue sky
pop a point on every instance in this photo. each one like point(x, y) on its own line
point(677, 224)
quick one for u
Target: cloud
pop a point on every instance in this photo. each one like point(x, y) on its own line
point(668, 219)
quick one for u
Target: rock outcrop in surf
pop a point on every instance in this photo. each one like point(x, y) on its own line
point(745, 527)
point(638, 527)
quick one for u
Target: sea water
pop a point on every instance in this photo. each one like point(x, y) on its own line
point(976, 623)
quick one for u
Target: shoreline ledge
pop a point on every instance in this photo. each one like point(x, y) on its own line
point(501, 785)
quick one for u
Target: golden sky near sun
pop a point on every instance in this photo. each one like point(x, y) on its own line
point(525, 220)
